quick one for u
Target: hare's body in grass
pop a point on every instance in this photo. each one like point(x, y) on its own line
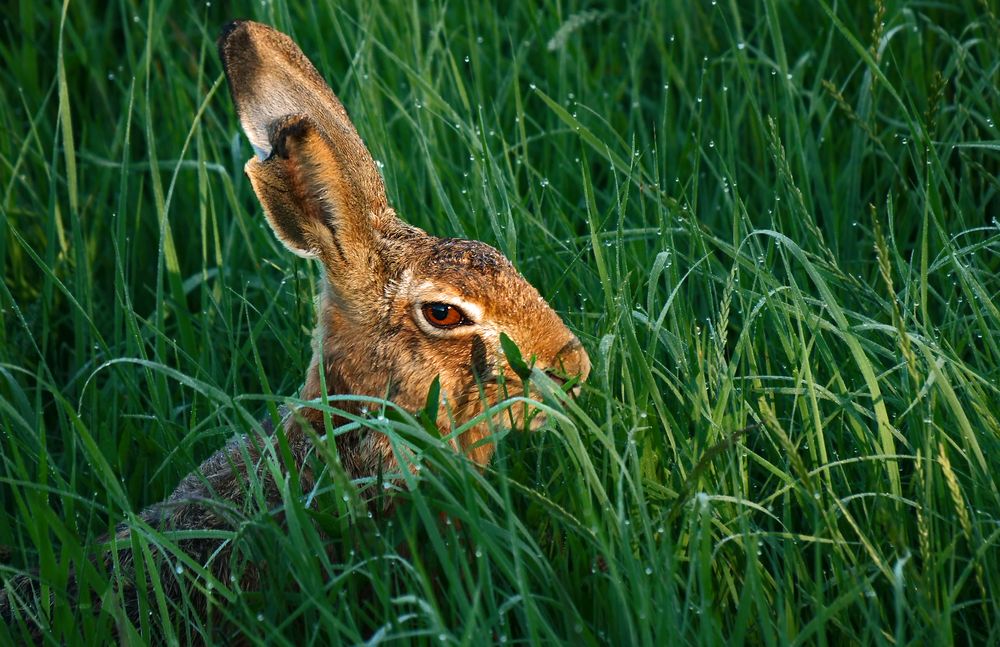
point(398, 307)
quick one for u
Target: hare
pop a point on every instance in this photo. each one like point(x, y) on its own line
point(398, 308)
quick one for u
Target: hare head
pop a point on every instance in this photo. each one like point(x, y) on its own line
point(398, 307)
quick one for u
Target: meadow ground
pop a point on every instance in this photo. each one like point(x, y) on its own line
point(772, 224)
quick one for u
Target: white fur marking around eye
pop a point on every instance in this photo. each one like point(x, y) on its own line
point(429, 292)
point(473, 311)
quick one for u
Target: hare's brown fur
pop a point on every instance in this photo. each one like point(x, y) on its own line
point(324, 198)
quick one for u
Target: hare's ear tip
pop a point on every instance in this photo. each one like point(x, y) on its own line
point(229, 29)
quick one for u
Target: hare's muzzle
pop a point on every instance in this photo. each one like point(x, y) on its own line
point(570, 362)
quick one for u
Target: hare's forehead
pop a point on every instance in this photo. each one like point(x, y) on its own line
point(470, 256)
point(460, 272)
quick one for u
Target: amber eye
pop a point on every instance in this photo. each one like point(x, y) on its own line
point(442, 315)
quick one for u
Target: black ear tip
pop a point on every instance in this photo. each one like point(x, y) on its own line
point(234, 39)
point(229, 28)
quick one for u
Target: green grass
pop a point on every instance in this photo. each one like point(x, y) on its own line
point(773, 225)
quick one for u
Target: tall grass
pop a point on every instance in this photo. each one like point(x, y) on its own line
point(773, 225)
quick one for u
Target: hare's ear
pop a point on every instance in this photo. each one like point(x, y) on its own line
point(312, 202)
point(271, 80)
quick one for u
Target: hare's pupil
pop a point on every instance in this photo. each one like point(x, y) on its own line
point(440, 311)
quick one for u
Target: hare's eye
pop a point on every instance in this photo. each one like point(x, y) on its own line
point(443, 315)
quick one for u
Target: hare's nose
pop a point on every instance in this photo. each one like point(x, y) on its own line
point(571, 361)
